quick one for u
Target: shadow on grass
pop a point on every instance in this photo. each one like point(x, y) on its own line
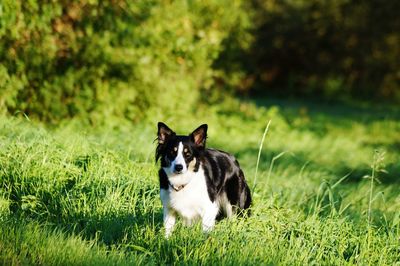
point(321, 113)
point(31, 201)
point(389, 177)
point(114, 229)
point(109, 229)
point(337, 169)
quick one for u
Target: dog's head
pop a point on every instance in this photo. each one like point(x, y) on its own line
point(178, 153)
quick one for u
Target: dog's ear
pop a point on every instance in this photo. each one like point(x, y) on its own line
point(164, 132)
point(199, 135)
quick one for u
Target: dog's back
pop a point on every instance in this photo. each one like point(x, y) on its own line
point(225, 178)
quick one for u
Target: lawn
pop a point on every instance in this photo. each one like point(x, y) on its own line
point(327, 189)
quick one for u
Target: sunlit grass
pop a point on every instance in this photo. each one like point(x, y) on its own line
point(82, 195)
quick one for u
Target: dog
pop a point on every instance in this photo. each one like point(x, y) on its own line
point(198, 182)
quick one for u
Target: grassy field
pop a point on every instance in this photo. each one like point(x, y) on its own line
point(327, 189)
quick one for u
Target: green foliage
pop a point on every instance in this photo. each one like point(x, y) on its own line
point(60, 59)
point(137, 59)
point(92, 197)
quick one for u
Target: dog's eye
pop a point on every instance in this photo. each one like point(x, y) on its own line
point(173, 151)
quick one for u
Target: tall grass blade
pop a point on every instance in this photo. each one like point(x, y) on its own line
point(259, 154)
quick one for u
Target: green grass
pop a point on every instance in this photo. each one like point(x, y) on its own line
point(76, 194)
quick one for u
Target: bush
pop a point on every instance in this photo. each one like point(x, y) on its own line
point(137, 59)
point(99, 58)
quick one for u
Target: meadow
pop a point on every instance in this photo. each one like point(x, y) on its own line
point(326, 190)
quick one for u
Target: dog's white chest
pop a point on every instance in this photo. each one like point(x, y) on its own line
point(192, 201)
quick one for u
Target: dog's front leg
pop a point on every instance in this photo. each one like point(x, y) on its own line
point(169, 221)
point(208, 219)
point(168, 214)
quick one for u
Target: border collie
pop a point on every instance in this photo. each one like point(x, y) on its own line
point(198, 182)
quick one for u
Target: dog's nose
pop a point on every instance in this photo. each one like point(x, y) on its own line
point(178, 167)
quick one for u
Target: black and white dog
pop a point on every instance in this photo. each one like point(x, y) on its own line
point(197, 182)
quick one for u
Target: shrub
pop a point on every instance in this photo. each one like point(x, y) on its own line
point(99, 58)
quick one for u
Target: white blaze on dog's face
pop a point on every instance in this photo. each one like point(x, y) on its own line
point(177, 165)
point(178, 153)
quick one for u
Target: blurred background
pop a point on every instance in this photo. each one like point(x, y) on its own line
point(139, 59)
